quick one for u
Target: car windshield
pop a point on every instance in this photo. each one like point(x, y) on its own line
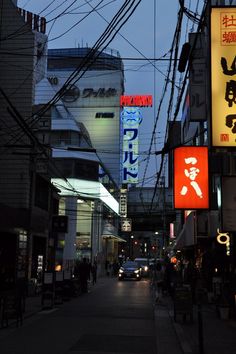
point(130, 264)
point(142, 262)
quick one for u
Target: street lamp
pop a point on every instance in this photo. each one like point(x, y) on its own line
point(131, 246)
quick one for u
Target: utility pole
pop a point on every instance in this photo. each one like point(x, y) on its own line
point(164, 215)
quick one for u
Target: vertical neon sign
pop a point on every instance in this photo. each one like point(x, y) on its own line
point(131, 118)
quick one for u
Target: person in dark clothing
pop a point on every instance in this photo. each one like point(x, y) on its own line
point(94, 272)
point(115, 268)
point(84, 275)
point(170, 278)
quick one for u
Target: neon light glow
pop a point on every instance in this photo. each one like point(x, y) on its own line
point(191, 190)
point(131, 118)
point(223, 74)
point(136, 101)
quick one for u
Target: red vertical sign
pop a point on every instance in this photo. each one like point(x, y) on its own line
point(191, 190)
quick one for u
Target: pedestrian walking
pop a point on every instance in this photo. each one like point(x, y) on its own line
point(115, 268)
point(94, 272)
point(159, 279)
point(84, 275)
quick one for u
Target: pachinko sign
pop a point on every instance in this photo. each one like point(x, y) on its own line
point(136, 101)
point(223, 76)
point(191, 190)
point(131, 118)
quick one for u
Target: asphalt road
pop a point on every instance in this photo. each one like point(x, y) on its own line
point(115, 317)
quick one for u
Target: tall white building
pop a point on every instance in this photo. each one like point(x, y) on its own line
point(92, 97)
point(85, 117)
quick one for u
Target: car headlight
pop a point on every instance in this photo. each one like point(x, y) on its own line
point(146, 268)
point(136, 271)
point(121, 270)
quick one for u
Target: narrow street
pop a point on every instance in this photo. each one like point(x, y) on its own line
point(115, 317)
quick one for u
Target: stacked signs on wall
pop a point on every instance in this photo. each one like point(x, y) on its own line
point(191, 190)
point(223, 76)
point(131, 118)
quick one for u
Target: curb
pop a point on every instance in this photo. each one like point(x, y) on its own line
point(166, 311)
point(182, 340)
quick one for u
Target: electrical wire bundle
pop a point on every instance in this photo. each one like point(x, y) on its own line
point(26, 125)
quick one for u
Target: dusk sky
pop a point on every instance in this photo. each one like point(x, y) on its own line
point(148, 33)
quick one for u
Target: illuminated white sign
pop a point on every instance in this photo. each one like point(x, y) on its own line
point(126, 225)
point(131, 118)
point(123, 203)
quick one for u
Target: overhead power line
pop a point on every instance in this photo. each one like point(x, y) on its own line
point(201, 23)
point(108, 35)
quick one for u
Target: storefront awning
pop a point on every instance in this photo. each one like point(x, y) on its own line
point(113, 237)
point(110, 232)
point(186, 237)
point(180, 241)
point(86, 189)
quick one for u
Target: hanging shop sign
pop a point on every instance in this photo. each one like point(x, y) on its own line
point(123, 203)
point(191, 190)
point(223, 76)
point(172, 230)
point(126, 225)
point(131, 118)
point(223, 237)
point(136, 101)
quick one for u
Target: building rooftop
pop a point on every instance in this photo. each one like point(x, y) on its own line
point(71, 58)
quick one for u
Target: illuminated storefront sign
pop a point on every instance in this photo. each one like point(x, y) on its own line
point(136, 101)
point(131, 118)
point(223, 237)
point(73, 92)
point(223, 76)
point(172, 230)
point(126, 225)
point(191, 178)
point(123, 203)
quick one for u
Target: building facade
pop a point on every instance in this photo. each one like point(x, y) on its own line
point(92, 97)
point(27, 196)
point(85, 177)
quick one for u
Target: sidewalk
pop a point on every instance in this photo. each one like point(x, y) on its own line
point(218, 336)
point(32, 306)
